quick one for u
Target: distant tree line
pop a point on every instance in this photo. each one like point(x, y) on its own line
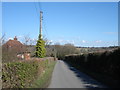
point(96, 49)
point(60, 51)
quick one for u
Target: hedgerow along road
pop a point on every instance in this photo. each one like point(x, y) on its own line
point(65, 76)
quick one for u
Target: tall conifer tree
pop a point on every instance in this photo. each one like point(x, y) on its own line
point(40, 48)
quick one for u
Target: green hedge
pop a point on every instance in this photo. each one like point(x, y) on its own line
point(22, 74)
point(103, 64)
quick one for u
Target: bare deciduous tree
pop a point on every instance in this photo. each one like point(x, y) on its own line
point(47, 42)
point(61, 50)
point(26, 39)
point(2, 39)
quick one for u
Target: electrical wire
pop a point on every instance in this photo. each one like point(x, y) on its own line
point(40, 6)
point(44, 23)
point(38, 9)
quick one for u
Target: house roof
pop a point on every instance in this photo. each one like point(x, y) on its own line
point(13, 43)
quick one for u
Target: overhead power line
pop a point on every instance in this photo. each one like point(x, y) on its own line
point(38, 8)
point(37, 11)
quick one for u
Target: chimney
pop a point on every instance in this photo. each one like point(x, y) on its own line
point(15, 38)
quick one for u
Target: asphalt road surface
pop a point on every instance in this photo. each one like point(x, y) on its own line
point(65, 76)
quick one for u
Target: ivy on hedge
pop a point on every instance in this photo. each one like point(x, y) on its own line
point(22, 74)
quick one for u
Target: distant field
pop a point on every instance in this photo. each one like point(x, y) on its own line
point(96, 49)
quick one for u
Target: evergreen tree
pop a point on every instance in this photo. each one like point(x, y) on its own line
point(40, 48)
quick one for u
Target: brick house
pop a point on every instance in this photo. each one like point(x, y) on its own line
point(17, 48)
point(14, 44)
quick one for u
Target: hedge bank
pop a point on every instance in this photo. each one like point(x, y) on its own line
point(23, 74)
point(102, 66)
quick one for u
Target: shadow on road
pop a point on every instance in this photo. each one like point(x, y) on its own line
point(87, 80)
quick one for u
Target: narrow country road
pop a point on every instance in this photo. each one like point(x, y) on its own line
point(65, 76)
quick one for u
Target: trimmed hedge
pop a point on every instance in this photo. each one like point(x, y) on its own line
point(103, 64)
point(21, 74)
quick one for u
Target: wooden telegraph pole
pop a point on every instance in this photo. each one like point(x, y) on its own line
point(41, 18)
point(40, 46)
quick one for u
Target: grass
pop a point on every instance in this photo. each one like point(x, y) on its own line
point(44, 79)
point(27, 74)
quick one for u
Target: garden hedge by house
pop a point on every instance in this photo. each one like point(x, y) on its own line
point(102, 66)
point(23, 74)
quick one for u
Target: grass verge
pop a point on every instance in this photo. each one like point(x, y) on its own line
point(44, 79)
